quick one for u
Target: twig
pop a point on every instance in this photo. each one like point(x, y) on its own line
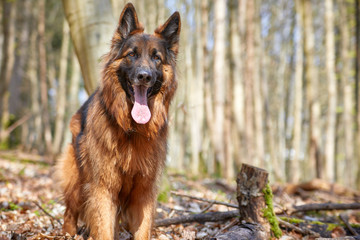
point(304, 231)
point(46, 212)
point(351, 229)
point(207, 207)
point(201, 217)
point(325, 206)
point(204, 199)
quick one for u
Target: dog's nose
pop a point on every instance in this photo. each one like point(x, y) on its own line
point(144, 76)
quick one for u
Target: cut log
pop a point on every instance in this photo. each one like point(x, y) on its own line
point(255, 200)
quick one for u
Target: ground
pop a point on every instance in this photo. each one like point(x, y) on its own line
point(31, 205)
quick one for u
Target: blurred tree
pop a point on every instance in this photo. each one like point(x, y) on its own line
point(91, 27)
point(332, 94)
point(314, 166)
point(43, 78)
point(294, 175)
point(61, 90)
point(7, 63)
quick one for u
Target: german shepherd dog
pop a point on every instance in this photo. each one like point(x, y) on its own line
point(111, 169)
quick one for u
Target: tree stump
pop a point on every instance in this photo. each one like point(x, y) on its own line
point(251, 182)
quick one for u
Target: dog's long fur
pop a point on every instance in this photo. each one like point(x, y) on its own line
point(111, 169)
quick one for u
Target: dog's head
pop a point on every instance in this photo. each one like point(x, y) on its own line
point(143, 63)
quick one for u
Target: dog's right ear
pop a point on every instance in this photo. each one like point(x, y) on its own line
point(128, 21)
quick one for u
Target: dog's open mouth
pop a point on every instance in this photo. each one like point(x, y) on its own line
point(140, 111)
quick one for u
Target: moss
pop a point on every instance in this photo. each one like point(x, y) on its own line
point(292, 220)
point(331, 226)
point(269, 212)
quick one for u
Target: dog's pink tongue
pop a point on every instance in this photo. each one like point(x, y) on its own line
point(140, 111)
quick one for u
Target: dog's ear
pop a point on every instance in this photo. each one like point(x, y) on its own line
point(128, 21)
point(170, 31)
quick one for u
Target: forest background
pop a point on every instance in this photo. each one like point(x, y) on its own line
point(271, 83)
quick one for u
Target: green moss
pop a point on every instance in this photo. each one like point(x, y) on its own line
point(292, 220)
point(269, 212)
point(331, 226)
point(165, 189)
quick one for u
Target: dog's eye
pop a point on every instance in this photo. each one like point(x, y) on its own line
point(156, 58)
point(131, 54)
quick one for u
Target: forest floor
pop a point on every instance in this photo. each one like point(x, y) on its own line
point(31, 207)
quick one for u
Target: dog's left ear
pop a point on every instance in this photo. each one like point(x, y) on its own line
point(128, 21)
point(170, 31)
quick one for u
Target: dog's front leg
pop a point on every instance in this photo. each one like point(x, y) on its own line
point(141, 209)
point(100, 213)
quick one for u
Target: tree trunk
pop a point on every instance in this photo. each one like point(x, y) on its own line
point(295, 169)
point(61, 90)
point(257, 94)
point(248, 83)
point(7, 62)
point(36, 125)
point(91, 27)
point(237, 26)
point(332, 95)
point(219, 81)
point(43, 79)
point(72, 99)
point(196, 109)
point(357, 87)
point(314, 166)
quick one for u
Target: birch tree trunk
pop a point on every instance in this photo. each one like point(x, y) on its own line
point(7, 62)
point(219, 81)
point(332, 95)
point(295, 169)
point(61, 90)
point(91, 27)
point(312, 81)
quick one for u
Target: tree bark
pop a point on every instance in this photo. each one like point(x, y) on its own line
point(332, 94)
point(7, 61)
point(250, 184)
point(91, 27)
point(61, 90)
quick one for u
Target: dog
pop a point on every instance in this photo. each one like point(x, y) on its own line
point(111, 169)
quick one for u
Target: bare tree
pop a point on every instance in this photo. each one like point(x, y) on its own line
point(248, 83)
point(43, 79)
point(332, 95)
point(219, 80)
point(348, 95)
point(7, 62)
point(61, 90)
point(312, 81)
point(91, 27)
point(294, 175)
